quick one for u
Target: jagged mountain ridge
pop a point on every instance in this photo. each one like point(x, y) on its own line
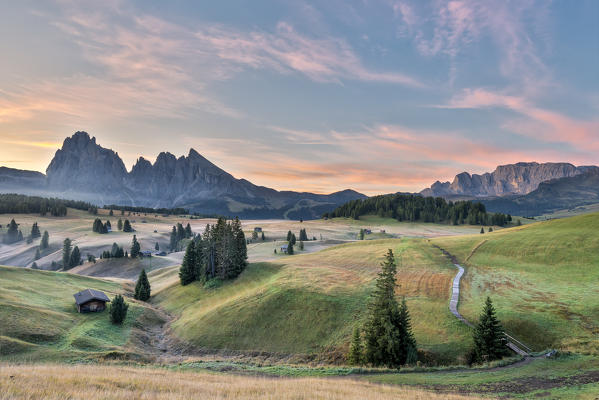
point(507, 180)
point(84, 170)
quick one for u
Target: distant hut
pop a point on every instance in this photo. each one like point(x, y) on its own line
point(90, 300)
point(258, 229)
point(284, 248)
point(146, 253)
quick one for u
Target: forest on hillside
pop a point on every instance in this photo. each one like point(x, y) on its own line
point(416, 208)
point(22, 204)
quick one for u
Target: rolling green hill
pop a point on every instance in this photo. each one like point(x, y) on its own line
point(38, 318)
point(543, 279)
point(309, 304)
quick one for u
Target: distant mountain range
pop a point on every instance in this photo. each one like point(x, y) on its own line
point(84, 170)
point(524, 189)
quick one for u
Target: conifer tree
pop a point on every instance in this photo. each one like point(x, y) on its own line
point(142, 287)
point(173, 242)
point(263, 237)
point(482, 230)
point(409, 351)
point(289, 236)
point(240, 253)
point(301, 245)
point(188, 231)
point(489, 337)
point(118, 310)
point(34, 265)
point(490, 229)
point(289, 249)
point(135, 247)
point(35, 231)
point(356, 351)
point(293, 239)
point(37, 254)
point(45, 240)
point(156, 247)
point(119, 224)
point(361, 234)
point(127, 226)
point(66, 253)
point(20, 236)
point(111, 213)
point(187, 272)
point(386, 339)
point(75, 257)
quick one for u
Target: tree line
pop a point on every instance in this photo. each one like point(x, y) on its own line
point(416, 208)
point(178, 233)
point(23, 204)
point(219, 253)
point(148, 210)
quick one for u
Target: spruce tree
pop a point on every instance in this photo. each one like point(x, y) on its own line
point(37, 254)
point(118, 310)
point(173, 242)
point(75, 258)
point(289, 235)
point(188, 231)
point(12, 234)
point(489, 337)
point(383, 330)
point(119, 224)
point(482, 230)
point(135, 247)
point(263, 237)
point(127, 226)
point(45, 240)
point(187, 272)
point(289, 249)
point(409, 351)
point(142, 287)
point(293, 239)
point(35, 231)
point(66, 253)
point(240, 253)
point(20, 236)
point(156, 247)
point(356, 351)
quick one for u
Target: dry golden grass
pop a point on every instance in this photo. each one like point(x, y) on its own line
point(51, 381)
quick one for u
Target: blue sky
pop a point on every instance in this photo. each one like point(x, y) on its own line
point(378, 96)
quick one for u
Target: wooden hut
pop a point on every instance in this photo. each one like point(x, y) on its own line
point(90, 300)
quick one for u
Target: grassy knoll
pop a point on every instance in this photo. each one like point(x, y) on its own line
point(310, 303)
point(543, 279)
point(564, 377)
point(39, 320)
point(117, 382)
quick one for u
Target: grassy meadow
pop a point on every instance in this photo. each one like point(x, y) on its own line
point(39, 319)
point(543, 279)
point(310, 304)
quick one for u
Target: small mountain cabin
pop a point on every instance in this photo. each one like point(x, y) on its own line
point(90, 300)
point(258, 229)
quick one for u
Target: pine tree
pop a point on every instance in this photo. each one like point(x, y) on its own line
point(490, 229)
point(240, 253)
point(361, 234)
point(482, 230)
point(12, 233)
point(20, 236)
point(409, 351)
point(35, 231)
point(135, 247)
point(489, 337)
point(383, 330)
point(156, 247)
point(66, 253)
point(356, 351)
point(75, 258)
point(263, 237)
point(34, 265)
point(45, 241)
point(188, 231)
point(289, 249)
point(142, 287)
point(127, 226)
point(187, 272)
point(173, 242)
point(118, 310)
point(293, 239)
point(288, 236)
point(119, 224)
point(111, 213)
point(37, 254)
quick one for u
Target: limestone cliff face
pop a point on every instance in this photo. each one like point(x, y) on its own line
point(83, 164)
point(511, 179)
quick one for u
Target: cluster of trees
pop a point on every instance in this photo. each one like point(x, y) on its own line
point(303, 236)
point(415, 208)
point(100, 227)
point(71, 256)
point(115, 252)
point(220, 252)
point(178, 234)
point(148, 210)
point(22, 204)
point(387, 334)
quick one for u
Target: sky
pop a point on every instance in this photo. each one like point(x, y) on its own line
point(376, 96)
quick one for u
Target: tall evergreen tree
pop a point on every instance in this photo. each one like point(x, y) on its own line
point(173, 242)
point(35, 231)
point(361, 234)
point(489, 336)
point(187, 271)
point(45, 241)
point(199, 260)
point(409, 353)
point(356, 350)
point(263, 237)
point(75, 257)
point(240, 253)
point(127, 226)
point(289, 249)
point(142, 287)
point(385, 333)
point(118, 309)
point(12, 233)
point(156, 247)
point(119, 224)
point(293, 239)
point(37, 254)
point(188, 231)
point(135, 247)
point(66, 253)
point(289, 235)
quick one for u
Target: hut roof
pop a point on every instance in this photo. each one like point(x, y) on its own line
point(89, 294)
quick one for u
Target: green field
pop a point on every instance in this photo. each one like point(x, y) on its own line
point(39, 320)
point(543, 279)
point(310, 304)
